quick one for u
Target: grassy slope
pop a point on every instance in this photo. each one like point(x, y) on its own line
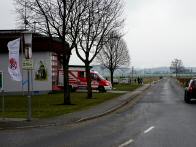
point(44, 106)
point(126, 87)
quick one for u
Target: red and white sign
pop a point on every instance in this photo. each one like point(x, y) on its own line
point(13, 65)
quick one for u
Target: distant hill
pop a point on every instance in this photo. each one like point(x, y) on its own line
point(105, 72)
point(125, 72)
point(157, 70)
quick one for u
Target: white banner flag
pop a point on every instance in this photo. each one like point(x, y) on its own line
point(13, 66)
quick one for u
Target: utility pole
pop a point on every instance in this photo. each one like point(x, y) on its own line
point(28, 60)
point(2, 92)
point(25, 15)
point(132, 73)
point(27, 38)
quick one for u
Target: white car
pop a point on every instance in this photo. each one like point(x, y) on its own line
point(125, 80)
point(115, 81)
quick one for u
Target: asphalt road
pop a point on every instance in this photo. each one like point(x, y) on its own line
point(159, 119)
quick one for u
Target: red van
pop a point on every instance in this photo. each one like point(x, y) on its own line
point(77, 79)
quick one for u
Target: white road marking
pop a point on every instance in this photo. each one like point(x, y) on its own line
point(148, 130)
point(126, 143)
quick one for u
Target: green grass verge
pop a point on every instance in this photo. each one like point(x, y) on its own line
point(126, 87)
point(150, 79)
point(44, 106)
point(131, 87)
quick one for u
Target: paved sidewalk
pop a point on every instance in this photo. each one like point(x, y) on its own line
point(94, 112)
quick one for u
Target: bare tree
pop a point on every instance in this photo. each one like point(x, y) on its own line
point(101, 17)
point(177, 66)
point(55, 18)
point(114, 53)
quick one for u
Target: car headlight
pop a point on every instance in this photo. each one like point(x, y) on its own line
point(107, 84)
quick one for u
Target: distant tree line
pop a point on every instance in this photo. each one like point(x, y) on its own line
point(177, 67)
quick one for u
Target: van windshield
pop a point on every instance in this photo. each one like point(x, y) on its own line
point(100, 76)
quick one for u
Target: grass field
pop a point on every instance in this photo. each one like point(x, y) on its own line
point(44, 106)
point(126, 87)
point(150, 79)
point(130, 87)
point(50, 105)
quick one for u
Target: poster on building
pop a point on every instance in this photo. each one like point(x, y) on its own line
point(41, 73)
point(1, 81)
point(13, 66)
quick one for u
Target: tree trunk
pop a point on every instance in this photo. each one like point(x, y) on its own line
point(88, 78)
point(112, 76)
point(67, 99)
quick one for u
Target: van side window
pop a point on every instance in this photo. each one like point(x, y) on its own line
point(97, 77)
point(92, 76)
point(81, 74)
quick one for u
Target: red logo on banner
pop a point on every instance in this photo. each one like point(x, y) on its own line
point(13, 64)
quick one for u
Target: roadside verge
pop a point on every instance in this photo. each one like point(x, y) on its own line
point(77, 117)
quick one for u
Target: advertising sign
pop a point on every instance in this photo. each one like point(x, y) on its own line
point(41, 73)
point(27, 64)
point(13, 66)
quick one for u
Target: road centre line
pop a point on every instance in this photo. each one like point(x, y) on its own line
point(148, 130)
point(126, 143)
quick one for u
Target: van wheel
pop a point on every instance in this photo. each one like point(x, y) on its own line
point(101, 89)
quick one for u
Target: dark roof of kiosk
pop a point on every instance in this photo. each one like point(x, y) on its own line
point(40, 43)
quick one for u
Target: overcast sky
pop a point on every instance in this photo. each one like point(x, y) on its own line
point(161, 30)
point(157, 31)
